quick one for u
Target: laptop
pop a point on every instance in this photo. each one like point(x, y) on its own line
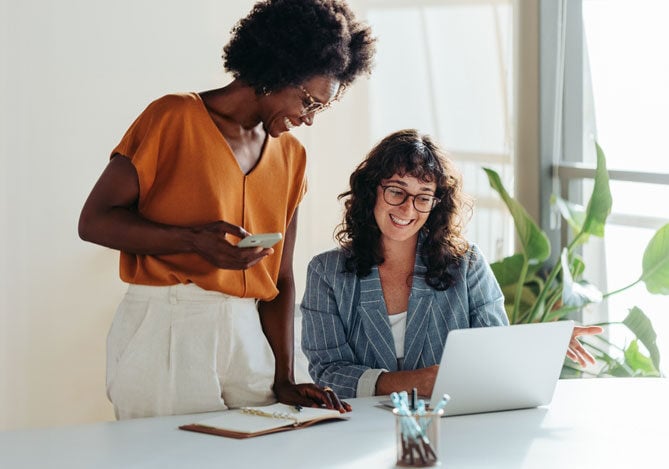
point(489, 369)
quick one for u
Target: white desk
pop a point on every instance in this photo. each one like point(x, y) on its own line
point(596, 423)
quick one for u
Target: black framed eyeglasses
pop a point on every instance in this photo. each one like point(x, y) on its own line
point(312, 106)
point(395, 196)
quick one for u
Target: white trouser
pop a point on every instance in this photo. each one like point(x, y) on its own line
point(181, 349)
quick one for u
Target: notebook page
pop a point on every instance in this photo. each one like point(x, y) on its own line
point(238, 421)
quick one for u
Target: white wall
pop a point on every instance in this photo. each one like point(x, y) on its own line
point(74, 74)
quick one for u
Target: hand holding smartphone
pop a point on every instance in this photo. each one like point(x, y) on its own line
point(263, 240)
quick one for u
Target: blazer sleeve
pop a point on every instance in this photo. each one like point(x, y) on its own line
point(486, 300)
point(324, 339)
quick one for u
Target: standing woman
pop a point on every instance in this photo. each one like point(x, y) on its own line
point(206, 325)
point(377, 310)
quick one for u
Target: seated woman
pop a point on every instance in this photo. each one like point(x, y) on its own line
point(377, 310)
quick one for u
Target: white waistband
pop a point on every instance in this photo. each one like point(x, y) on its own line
point(189, 292)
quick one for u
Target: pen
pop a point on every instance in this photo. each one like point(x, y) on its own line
point(442, 403)
point(298, 408)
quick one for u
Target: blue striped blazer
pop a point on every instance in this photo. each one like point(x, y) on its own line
point(345, 326)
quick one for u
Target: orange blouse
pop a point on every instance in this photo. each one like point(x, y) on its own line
point(189, 176)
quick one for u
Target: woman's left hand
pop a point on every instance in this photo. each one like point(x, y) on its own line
point(576, 351)
point(310, 395)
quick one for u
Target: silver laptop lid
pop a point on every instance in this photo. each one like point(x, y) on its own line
point(501, 368)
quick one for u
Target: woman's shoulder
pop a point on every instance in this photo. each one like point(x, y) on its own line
point(174, 102)
point(476, 263)
point(473, 250)
point(470, 252)
point(475, 255)
point(329, 255)
point(472, 257)
point(332, 260)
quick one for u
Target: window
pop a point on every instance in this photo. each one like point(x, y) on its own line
point(629, 74)
point(620, 99)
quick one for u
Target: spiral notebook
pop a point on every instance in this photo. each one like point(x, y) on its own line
point(248, 422)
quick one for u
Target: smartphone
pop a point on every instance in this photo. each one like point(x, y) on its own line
point(264, 240)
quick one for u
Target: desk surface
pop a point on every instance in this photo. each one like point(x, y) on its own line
point(591, 423)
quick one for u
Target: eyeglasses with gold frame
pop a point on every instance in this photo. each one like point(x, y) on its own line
point(312, 106)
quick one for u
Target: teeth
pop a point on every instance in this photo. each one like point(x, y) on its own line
point(288, 123)
point(399, 221)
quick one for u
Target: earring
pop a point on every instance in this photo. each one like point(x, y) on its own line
point(265, 91)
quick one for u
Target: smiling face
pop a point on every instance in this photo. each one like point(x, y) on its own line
point(401, 223)
point(285, 109)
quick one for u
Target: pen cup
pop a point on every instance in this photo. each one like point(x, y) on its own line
point(417, 439)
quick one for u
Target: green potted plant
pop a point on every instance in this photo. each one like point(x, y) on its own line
point(535, 293)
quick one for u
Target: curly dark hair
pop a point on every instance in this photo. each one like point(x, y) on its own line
point(406, 152)
point(284, 43)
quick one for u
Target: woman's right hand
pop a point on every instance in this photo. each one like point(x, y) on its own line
point(394, 381)
point(310, 395)
point(210, 242)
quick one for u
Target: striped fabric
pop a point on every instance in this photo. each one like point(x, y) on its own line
point(345, 326)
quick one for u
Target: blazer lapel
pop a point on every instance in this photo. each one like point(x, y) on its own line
point(419, 316)
point(374, 321)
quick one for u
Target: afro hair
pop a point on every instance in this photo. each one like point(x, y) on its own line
point(283, 43)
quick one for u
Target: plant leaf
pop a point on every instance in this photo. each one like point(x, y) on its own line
point(558, 314)
point(655, 264)
point(611, 366)
point(575, 293)
point(637, 322)
point(637, 361)
point(576, 266)
point(573, 213)
point(570, 372)
point(534, 242)
point(600, 202)
point(507, 271)
point(619, 370)
point(527, 299)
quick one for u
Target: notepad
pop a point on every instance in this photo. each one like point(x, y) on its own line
point(254, 421)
